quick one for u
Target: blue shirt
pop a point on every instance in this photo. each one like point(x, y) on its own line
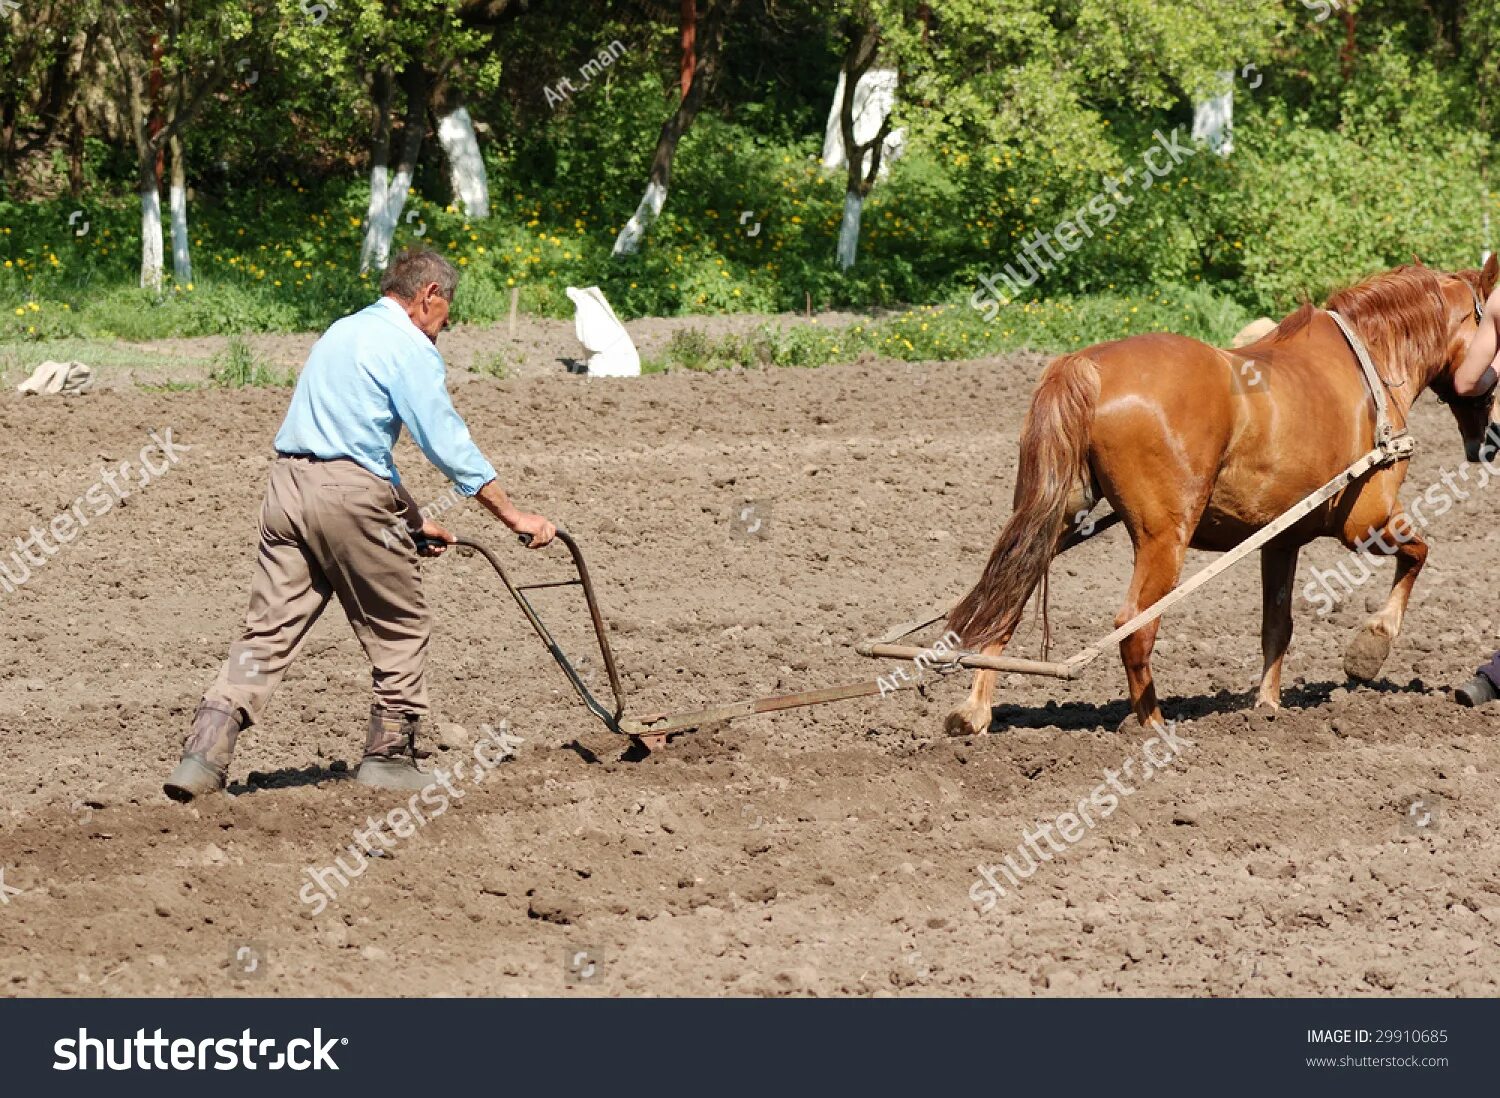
point(369, 375)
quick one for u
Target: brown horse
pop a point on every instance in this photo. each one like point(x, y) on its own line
point(1199, 447)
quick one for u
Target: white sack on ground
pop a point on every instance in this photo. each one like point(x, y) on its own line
point(67, 378)
point(610, 349)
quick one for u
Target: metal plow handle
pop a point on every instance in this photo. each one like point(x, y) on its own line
point(610, 719)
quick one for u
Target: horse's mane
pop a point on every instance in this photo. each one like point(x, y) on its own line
point(1401, 315)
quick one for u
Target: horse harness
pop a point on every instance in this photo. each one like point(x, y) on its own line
point(1392, 443)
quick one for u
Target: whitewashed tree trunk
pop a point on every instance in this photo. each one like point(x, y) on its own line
point(374, 215)
point(384, 217)
point(854, 206)
point(629, 240)
point(151, 239)
point(465, 162)
point(182, 263)
point(388, 199)
point(881, 96)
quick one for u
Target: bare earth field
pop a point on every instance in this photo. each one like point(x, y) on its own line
point(825, 851)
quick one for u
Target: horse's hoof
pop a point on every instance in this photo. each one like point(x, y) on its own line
point(1366, 655)
point(1132, 725)
point(959, 723)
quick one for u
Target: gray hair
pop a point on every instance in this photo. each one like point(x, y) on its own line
point(415, 268)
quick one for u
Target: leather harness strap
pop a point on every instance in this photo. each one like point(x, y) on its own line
point(1394, 444)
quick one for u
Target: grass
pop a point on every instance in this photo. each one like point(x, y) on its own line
point(103, 356)
point(949, 332)
point(274, 258)
point(496, 366)
point(238, 367)
point(926, 333)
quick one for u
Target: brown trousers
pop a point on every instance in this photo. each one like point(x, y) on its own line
point(331, 528)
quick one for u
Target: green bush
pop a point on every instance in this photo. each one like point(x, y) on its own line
point(1342, 166)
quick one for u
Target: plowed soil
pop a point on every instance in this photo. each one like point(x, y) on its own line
point(825, 851)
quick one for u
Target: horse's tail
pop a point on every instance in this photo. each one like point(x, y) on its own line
point(1054, 459)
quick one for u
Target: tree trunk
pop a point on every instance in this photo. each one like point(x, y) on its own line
point(859, 180)
point(151, 239)
point(150, 175)
point(380, 155)
point(659, 179)
point(182, 264)
point(382, 229)
point(689, 23)
point(854, 204)
point(1346, 55)
point(75, 152)
point(8, 109)
point(465, 162)
point(136, 55)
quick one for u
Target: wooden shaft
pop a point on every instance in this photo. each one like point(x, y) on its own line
point(969, 659)
point(678, 722)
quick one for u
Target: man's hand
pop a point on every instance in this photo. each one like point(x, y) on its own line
point(542, 532)
point(497, 503)
point(433, 539)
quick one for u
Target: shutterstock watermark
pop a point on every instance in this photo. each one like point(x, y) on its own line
point(1157, 162)
point(6, 891)
point(1158, 753)
point(157, 1053)
point(1322, 9)
point(402, 822)
point(113, 487)
point(1328, 586)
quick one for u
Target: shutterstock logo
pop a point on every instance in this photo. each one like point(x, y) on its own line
point(158, 1053)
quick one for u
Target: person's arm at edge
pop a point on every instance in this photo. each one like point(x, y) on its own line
point(1484, 351)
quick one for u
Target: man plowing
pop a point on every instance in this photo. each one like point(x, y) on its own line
point(337, 523)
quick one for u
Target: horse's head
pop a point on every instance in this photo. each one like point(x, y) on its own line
point(1464, 293)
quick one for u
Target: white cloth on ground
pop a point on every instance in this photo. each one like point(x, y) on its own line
point(67, 378)
point(610, 349)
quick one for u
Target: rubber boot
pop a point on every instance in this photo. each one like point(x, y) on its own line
point(1476, 691)
point(204, 768)
point(391, 753)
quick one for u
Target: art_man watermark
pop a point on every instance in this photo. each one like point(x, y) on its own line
point(565, 89)
point(932, 658)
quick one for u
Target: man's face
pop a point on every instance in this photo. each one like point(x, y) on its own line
point(429, 311)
